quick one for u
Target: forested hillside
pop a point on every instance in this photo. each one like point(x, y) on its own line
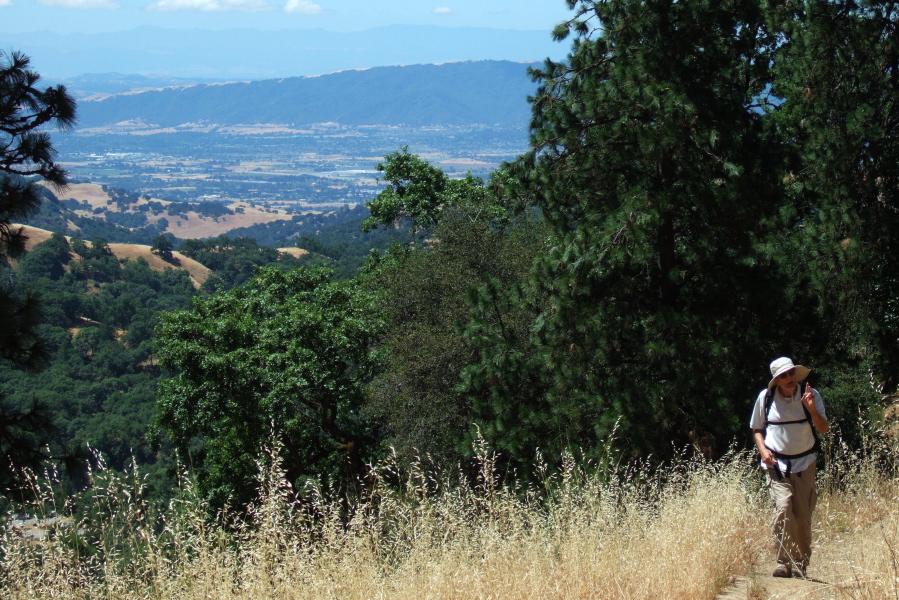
point(100, 304)
point(98, 314)
point(486, 92)
point(120, 215)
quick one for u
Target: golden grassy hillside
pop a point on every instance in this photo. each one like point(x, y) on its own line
point(295, 252)
point(192, 226)
point(198, 273)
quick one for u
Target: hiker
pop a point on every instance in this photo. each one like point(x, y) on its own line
point(784, 421)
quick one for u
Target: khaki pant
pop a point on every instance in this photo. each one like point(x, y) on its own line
point(794, 499)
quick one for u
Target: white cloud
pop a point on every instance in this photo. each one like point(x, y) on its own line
point(212, 5)
point(5, 3)
point(82, 4)
point(442, 10)
point(303, 7)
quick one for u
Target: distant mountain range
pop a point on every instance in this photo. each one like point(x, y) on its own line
point(492, 93)
point(99, 84)
point(248, 54)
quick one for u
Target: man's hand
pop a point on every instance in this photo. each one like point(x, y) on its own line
point(767, 455)
point(808, 398)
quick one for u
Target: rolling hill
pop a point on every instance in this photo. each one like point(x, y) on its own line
point(484, 92)
point(198, 272)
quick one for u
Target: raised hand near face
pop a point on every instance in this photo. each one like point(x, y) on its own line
point(808, 398)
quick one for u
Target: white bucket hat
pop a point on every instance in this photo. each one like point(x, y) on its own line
point(784, 364)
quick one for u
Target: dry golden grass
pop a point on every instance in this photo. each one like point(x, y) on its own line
point(195, 226)
point(858, 522)
point(295, 252)
point(681, 533)
point(89, 192)
point(678, 534)
point(35, 236)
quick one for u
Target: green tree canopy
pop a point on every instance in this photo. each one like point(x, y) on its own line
point(419, 192)
point(657, 306)
point(285, 356)
point(424, 294)
point(163, 246)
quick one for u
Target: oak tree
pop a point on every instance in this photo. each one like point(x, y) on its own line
point(284, 358)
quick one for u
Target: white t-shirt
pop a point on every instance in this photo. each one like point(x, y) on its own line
point(787, 439)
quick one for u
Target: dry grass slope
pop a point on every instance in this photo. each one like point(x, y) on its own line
point(682, 533)
point(198, 272)
point(573, 536)
point(189, 226)
point(295, 252)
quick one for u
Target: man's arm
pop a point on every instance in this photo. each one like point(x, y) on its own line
point(767, 456)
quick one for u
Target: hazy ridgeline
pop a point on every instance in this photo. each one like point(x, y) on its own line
point(684, 531)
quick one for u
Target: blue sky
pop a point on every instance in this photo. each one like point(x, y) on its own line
point(97, 16)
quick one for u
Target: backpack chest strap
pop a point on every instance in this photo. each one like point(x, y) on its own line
point(787, 422)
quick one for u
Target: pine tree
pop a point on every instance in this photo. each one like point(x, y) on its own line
point(838, 76)
point(26, 157)
point(652, 162)
point(26, 152)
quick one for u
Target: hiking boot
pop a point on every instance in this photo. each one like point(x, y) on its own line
point(782, 571)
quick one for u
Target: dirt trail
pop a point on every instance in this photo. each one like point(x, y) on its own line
point(837, 566)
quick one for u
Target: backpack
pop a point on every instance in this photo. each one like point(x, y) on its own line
point(769, 401)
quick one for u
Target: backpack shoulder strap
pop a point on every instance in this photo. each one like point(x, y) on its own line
point(808, 415)
point(769, 400)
